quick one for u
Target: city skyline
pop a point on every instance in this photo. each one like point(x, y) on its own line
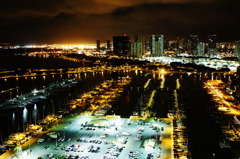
point(85, 21)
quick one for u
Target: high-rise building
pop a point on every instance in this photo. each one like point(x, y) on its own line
point(183, 44)
point(200, 49)
point(98, 45)
point(148, 46)
point(157, 45)
point(238, 83)
point(237, 50)
point(211, 47)
point(171, 44)
point(121, 45)
point(212, 39)
point(108, 45)
point(212, 52)
point(193, 46)
point(141, 39)
point(136, 49)
point(176, 44)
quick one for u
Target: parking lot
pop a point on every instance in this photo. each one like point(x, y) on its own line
point(111, 137)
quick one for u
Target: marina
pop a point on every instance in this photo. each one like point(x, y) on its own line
point(132, 94)
point(21, 101)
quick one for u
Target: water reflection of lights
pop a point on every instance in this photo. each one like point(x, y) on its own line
point(159, 76)
point(136, 72)
point(219, 96)
point(25, 111)
point(162, 82)
point(162, 71)
point(13, 118)
point(163, 77)
point(154, 75)
point(35, 112)
point(178, 83)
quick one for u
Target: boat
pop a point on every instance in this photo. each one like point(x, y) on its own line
point(21, 101)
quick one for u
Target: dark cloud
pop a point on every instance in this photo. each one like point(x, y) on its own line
point(65, 16)
point(123, 11)
point(72, 21)
point(185, 18)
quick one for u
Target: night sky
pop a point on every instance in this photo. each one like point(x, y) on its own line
point(85, 21)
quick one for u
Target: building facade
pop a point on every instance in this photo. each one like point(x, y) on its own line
point(121, 45)
point(157, 47)
point(136, 49)
point(212, 41)
point(98, 45)
point(201, 49)
point(238, 83)
point(108, 45)
point(183, 44)
point(237, 50)
point(194, 40)
point(141, 39)
point(213, 52)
